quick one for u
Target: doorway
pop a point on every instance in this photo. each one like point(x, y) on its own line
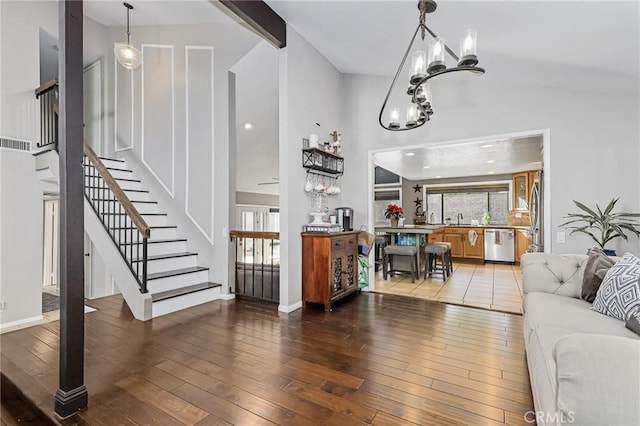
point(440, 182)
point(51, 256)
point(258, 219)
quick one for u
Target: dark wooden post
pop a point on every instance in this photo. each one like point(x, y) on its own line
point(71, 395)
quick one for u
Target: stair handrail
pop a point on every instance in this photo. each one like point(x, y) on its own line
point(122, 198)
point(255, 234)
point(45, 87)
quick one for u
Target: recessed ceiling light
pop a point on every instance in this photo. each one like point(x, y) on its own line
point(409, 154)
point(425, 167)
point(491, 161)
point(438, 177)
point(488, 145)
point(490, 173)
point(248, 125)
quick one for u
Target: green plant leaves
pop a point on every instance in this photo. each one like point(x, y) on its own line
point(608, 225)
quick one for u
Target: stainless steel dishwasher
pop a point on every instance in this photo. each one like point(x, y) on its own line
point(499, 245)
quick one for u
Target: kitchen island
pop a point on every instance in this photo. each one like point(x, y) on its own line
point(458, 237)
point(417, 230)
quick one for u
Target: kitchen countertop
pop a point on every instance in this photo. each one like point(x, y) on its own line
point(490, 226)
point(411, 229)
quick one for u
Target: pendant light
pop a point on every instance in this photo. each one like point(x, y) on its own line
point(128, 56)
point(425, 66)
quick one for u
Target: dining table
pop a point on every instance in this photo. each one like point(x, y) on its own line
point(417, 230)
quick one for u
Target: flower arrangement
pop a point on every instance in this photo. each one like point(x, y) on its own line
point(393, 211)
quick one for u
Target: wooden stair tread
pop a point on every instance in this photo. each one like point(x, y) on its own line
point(169, 294)
point(176, 272)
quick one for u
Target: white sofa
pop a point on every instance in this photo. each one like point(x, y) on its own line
point(584, 366)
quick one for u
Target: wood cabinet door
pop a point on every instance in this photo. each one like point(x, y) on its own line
point(522, 243)
point(350, 275)
point(337, 268)
point(520, 191)
point(475, 251)
point(457, 249)
point(436, 238)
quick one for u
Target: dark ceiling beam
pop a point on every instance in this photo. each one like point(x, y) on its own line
point(259, 16)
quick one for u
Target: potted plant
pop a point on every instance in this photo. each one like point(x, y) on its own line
point(603, 226)
point(393, 213)
point(486, 218)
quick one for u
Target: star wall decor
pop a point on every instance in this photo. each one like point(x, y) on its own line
point(416, 188)
point(418, 202)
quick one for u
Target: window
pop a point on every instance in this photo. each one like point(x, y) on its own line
point(472, 202)
point(381, 199)
point(385, 177)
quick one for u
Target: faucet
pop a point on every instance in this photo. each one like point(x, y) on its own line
point(459, 217)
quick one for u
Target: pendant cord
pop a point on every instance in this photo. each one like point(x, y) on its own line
point(128, 33)
point(423, 17)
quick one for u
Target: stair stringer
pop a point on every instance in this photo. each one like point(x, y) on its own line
point(139, 303)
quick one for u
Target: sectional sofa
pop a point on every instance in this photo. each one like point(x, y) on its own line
point(584, 366)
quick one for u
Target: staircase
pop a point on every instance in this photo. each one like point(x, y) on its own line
point(142, 250)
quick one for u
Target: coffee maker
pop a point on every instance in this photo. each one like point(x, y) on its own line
point(345, 218)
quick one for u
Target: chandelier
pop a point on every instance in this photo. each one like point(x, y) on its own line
point(128, 56)
point(425, 66)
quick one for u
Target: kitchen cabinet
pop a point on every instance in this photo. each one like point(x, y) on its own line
point(329, 266)
point(457, 245)
point(475, 251)
point(461, 246)
point(520, 190)
point(522, 243)
point(436, 237)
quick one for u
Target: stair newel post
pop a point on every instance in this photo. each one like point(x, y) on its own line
point(144, 264)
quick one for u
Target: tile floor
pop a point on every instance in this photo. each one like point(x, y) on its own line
point(495, 287)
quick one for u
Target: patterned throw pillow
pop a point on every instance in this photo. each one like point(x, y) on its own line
point(619, 294)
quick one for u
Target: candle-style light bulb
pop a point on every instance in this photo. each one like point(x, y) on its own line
point(418, 66)
point(394, 118)
point(412, 116)
point(436, 55)
point(468, 47)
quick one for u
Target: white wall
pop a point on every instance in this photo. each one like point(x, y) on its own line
point(20, 38)
point(167, 175)
point(256, 198)
point(594, 143)
point(20, 28)
point(310, 89)
point(22, 210)
point(21, 223)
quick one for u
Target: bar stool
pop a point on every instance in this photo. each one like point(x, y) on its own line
point(381, 242)
point(448, 261)
point(432, 251)
point(391, 251)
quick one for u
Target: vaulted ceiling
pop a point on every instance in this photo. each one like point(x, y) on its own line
point(572, 45)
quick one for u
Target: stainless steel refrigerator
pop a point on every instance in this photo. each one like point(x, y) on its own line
point(536, 214)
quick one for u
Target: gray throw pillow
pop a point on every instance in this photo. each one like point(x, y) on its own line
point(633, 322)
point(619, 294)
point(594, 271)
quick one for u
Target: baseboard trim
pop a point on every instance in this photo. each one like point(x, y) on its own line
point(290, 308)
point(21, 322)
point(229, 296)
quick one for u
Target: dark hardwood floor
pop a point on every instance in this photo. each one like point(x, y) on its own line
point(376, 359)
